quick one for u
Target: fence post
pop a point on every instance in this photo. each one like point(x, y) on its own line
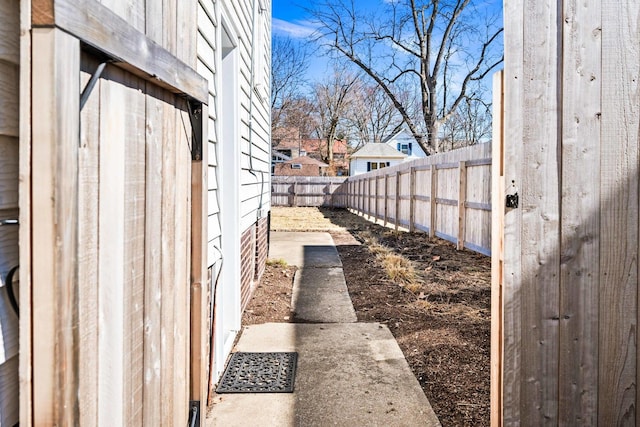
point(432, 200)
point(295, 194)
point(397, 215)
point(412, 200)
point(377, 193)
point(386, 199)
point(361, 197)
point(369, 198)
point(462, 198)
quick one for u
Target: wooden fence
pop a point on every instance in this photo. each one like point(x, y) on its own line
point(567, 280)
point(308, 191)
point(447, 195)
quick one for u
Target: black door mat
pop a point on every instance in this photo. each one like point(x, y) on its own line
point(259, 373)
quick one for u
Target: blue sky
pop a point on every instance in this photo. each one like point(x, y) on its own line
point(291, 20)
point(289, 17)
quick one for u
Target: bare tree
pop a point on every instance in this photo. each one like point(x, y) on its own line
point(289, 65)
point(468, 125)
point(371, 115)
point(332, 99)
point(439, 46)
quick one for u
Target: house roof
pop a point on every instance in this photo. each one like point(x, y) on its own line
point(373, 149)
point(393, 135)
point(314, 145)
point(280, 156)
point(305, 160)
point(310, 145)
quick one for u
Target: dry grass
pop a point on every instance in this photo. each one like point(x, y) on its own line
point(279, 262)
point(398, 268)
point(301, 219)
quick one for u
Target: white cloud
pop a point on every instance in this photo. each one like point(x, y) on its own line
point(296, 30)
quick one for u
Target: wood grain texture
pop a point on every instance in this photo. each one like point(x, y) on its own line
point(42, 12)
point(88, 249)
point(199, 287)
point(97, 26)
point(168, 396)
point(170, 27)
point(540, 192)
point(512, 274)
point(497, 245)
point(111, 240)
point(182, 262)
point(462, 198)
point(580, 223)
point(25, 357)
point(154, 141)
point(396, 192)
point(133, 12)
point(433, 194)
point(619, 215)
point(55, 162)
point(187, 31)
point(153, 20)
point(134, 248)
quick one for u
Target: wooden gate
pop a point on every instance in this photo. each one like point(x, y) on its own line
point(566, 288)
point(115, 323)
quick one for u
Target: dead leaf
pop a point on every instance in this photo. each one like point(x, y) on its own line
point(436, 257)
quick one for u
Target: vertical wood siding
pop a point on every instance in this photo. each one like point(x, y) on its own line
point(570, 277)
point(111, 230)
point(9, 147)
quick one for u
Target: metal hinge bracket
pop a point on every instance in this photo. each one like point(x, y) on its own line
point(195, 116)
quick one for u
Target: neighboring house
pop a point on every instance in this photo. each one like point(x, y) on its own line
point(286, 142)
point(277, 157)
point(374, 156)
point(301, 166)
point(404, 142)
point(143, 204)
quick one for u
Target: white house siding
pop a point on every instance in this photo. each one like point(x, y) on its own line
point(239, 153)
point(359, 165)
point(9, 70)
point(403, 137)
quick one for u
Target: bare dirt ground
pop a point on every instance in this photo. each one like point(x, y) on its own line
point(435, 300)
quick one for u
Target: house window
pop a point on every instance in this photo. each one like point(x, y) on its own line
point(405, 148)
point(296, 166)
point(371, 166)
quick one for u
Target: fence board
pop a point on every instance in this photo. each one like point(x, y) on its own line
point(88, 197)
point(311, 191)
point(579, 293)
point(153, 260)
point(619, 215)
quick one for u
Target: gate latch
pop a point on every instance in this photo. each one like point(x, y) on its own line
point(512, 196)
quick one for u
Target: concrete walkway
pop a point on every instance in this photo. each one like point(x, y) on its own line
point(349, 374)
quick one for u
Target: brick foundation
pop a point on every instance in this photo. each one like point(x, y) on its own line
point(262, 249)
point(247, 264)
point(253, 258)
